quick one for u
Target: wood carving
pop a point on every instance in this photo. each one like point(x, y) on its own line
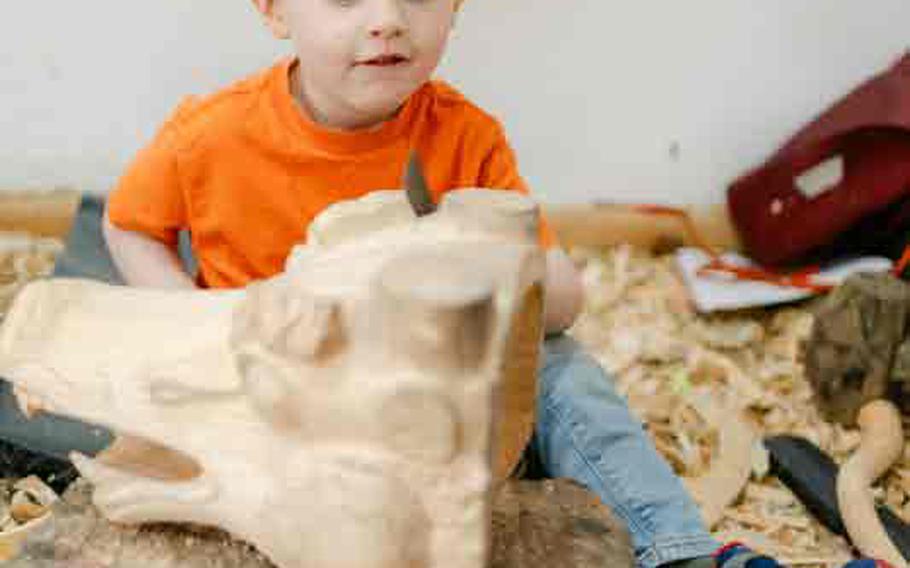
point(365, 399)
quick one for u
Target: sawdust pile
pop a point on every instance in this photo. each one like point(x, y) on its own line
point(23, 258)
point(693, 379)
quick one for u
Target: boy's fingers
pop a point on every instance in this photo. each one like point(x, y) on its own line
point(29, 404)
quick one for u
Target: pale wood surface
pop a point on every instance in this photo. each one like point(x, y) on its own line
point(44, 213)
point(599, 225)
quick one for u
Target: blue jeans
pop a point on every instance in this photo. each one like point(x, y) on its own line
point(586, 432)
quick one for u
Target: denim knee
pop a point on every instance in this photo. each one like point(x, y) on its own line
point(567, 371)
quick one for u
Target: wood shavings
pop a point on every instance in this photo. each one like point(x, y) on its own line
point(29, 499)
point(718, 365)
point(729, 469)
point(25, 513)
point(24, 258)
point(728, 335)
point(665, 356)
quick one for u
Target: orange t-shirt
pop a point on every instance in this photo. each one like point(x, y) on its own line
point(245, 170)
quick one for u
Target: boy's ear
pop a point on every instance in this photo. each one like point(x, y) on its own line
point(273, 13)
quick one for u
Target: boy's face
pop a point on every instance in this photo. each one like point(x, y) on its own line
point(360, 59)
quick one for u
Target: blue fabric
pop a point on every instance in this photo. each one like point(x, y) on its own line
point(85, 254)
point(46, 433)
point(586, 432)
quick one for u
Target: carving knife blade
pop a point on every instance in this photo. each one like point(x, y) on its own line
point(416, 188)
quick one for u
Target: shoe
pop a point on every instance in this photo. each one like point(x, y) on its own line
point(738, 555)
point(867, 563)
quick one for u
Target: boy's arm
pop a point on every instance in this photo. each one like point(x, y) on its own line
point(143, 261)
point(564, 291)
point(564, 295)
point(147, 208)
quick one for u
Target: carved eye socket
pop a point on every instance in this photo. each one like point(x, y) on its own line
point(853, 377)
point(826, 390)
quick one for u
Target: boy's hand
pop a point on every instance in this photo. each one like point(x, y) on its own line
point(29, 404)
point(564, 292)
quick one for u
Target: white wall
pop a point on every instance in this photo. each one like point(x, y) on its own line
point(644, 100)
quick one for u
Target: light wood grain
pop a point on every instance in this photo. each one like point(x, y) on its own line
point(605, 224)
point(43, 213)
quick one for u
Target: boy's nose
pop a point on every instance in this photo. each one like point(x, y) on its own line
point(388, 21)
point(386, 32)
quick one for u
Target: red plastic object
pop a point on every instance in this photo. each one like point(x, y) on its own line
point(870, 129)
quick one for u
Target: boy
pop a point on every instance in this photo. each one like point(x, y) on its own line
point(247, 169)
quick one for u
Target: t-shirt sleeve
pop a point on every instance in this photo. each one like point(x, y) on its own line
point(149, 197)
point(500, 171)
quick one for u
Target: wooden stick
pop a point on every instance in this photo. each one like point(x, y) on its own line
point(728, 475)
point(881, 444)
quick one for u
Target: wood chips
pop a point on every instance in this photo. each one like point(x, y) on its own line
point(23, 258)
point(691, 377)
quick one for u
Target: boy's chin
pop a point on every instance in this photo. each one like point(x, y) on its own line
point(384, 107)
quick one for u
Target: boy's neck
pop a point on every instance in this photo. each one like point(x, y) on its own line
point(345, 123)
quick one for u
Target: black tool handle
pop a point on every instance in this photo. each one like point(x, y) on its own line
point(812, 476)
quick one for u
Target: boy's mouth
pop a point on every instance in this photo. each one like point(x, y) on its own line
point(385, 60)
